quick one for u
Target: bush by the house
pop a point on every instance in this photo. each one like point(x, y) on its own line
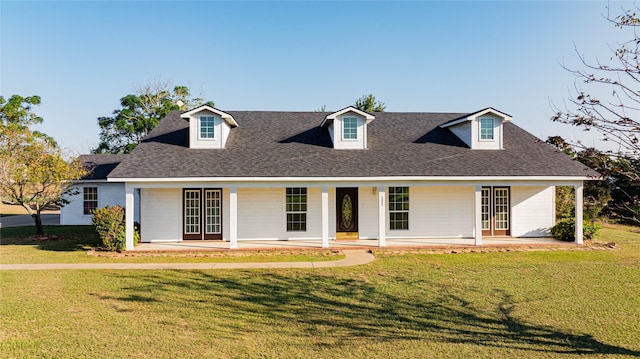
point(565, 230)
point(110, 225)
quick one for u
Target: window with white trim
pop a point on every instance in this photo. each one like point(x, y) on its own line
point(349, 128)
point(486, 129)
point(398, 208)
point(296, 209)
point(90, 199)
point(206, 127)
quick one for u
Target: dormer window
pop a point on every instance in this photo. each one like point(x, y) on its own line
point(350, 128)
point(206, 127)
point(486, 129)
point(209, 127)
point(482, 130)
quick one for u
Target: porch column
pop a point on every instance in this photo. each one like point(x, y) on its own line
point(579, 208)
point(477, 215)
point(325, 217)
point(382, 222)
point(129, 210)
point(233, 217)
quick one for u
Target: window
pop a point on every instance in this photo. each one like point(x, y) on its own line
point(192, 211)
point(350, 128)
point(486, 129)
point(398, 208)
point(485, 205)
point(90, 197)
point(206, 127)
point(296, 209)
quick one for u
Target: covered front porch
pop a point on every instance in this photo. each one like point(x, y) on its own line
point(376, 213)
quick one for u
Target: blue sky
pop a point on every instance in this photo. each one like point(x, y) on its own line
point(82, 57)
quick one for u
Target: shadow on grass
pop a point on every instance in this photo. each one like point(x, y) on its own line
point(71, 238)
point(332, 310)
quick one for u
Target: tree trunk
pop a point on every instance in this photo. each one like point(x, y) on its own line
point(38, 221)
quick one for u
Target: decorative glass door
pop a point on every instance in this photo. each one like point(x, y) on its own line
point(347, 212)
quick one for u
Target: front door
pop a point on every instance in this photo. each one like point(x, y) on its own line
point(496, 211)
point(347, 213)
point(202, 214)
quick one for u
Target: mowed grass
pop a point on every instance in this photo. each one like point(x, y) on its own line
point(543, 304)
point(77, 242)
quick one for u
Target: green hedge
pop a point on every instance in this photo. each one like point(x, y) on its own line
point(565, 230)
point(110, 225)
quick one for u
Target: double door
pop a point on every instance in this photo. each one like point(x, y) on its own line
point(496, 211)
point(202, 213)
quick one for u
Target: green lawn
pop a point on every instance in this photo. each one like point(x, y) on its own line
point(544, 304)
point(77, 242)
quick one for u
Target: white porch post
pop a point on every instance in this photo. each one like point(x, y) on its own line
point(325, 217)
point(129, 210)
point(579, 207)
point(477, 215)
point(382, 222)
point(233, 217)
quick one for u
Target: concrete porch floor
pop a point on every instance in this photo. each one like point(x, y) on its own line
point(198, 245)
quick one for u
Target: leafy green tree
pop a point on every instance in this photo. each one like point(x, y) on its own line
point(139, 114)
point(368, 103)
point(18, 110)
point(33, 172)
point(616, 118)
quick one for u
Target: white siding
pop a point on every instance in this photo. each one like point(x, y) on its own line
point(161, 218)
point(532, 211)
point(496, 143)
point(469, 133)
point(336, 133)
point(109, 194)
point(437, 212)
point(463, 131)
point(220, 131)
point(367, 213)
point(262, 214)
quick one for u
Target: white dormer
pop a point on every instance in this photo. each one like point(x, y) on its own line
point(480, 130)
point(208, 127)
point(348, 128)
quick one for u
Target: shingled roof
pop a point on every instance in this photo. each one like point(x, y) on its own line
point(100, 165)
point(292, 144)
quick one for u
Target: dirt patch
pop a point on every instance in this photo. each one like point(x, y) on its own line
point(587, 246)
point(213, 254)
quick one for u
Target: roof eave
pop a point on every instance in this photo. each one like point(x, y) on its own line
point(225, 116)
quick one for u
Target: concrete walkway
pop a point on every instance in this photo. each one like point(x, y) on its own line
point(352, 258)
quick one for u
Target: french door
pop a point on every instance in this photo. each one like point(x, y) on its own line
point(495, 211)
point(202, 213)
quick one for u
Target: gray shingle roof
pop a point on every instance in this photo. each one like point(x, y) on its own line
point(291, 144)
point(100, 165)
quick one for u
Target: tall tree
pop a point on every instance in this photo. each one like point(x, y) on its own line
point(33, 172)
point(616, 117)
point(368, 103)
point(140, 113)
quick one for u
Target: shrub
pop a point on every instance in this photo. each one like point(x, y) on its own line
point(110, 225)
point(564, 230)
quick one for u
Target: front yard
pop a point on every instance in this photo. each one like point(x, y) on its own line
point(536, 304)
point(78, 241)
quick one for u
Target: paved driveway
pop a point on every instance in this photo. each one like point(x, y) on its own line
point(25, 220)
